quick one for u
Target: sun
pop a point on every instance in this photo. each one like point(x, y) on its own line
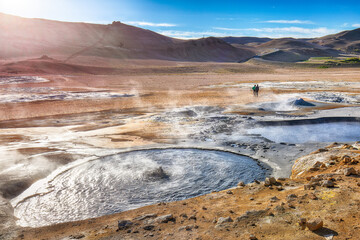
point(20, 7)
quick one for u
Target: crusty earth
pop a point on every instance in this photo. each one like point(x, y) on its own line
point(253, 211)
point(36, 135)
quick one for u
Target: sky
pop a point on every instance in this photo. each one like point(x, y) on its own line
point(195, 19)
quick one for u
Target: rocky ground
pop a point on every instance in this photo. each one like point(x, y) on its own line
point(319, 201)
point(182, 109)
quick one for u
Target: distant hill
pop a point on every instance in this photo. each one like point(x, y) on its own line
point(245, 40)
point(294, 50)
point(348, 41)
point(21, 37)
point(285, 43)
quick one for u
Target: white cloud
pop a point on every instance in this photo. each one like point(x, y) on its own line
point(345, 24)
point(321, 30)
point(290, 21)
point(228, 29)
point(150, 24)
point(190, 35)
point(357, 25)
point(278, 32)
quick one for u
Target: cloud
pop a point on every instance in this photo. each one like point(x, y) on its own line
point(189, 34)
point(357, 25)
point(321, 30)
point(150, 24)
point(290, 21)
point(297, 32)
point(228, 29)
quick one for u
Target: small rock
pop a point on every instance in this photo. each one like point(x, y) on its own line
point(241, 184)
point(187, 228)
point(346, 159)
point(281, 179)
point(229, 192)
point(309, 186)
point(279, 208)
point(349, 171)
point(274, 199)
point(149, 227)
point(272, 180)
point(193, 217)
point(124, 224)
point(164, 218)
point(291, 205)
point(314, 224)
point(312, 196)
point(291, 197)
point(328, 184)
point(256, 181)
point(142, 217)
point(279, 188)
point(224, 219)
point(252, 237)
point(302, 223)
point(183, 215)
point(77, 236)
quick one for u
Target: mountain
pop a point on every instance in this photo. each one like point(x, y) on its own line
point(285, 43)
point(348, 41)
point(251, 41)
point(294, 50)
point(23, 37)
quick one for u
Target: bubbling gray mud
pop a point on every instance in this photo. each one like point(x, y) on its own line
point(130, 180)
point(322, 132)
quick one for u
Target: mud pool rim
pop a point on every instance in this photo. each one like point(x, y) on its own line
point(260, 163)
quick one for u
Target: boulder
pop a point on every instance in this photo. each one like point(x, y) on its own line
point(314, 224)
point(164, 218)
point(270, 181)
point(222, 220)
point(349, 171)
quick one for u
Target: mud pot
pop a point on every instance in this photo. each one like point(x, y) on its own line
point(130, 180)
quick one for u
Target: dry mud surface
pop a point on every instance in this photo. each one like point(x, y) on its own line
point(52, 123)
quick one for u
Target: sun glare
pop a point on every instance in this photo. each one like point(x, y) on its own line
point(23, 8)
